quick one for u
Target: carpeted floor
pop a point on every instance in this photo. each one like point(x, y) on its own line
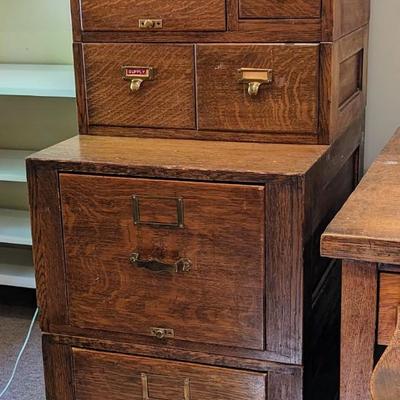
point(15, 318)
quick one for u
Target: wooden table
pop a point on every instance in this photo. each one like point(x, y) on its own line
point(366, 235)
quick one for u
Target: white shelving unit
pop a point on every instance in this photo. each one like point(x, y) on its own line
point(12, 165)
point(15, 227)
point(16, 268)
point(52, 81)
point(37, 80)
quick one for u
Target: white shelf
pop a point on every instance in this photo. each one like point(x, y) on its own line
point(16, 269)
point(12, 165)
point(15, 227)
point(37, 80)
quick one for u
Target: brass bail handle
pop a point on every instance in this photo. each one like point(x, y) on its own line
point(255, 78)
point(136, 85)
point(182, 265)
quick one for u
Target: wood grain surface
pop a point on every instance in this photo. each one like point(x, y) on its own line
point(389, 301)
point(167, 101)
point(279, 9)
point(288, 104)
point(385, 381)
point(183, 159)
point(117, 376)
point(220, 300)
point(358, 326)
point(177, 15)
point(367, 227)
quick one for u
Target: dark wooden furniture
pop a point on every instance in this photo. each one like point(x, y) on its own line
point(169, 267)
point(366, 235)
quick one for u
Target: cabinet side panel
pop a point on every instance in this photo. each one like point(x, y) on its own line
point(47, 244)
point(284, 268)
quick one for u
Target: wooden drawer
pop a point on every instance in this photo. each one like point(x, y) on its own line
point(176, 15)
point(279, 8)
point(166, 101)
point(389, 301)
point(111, 376)
point(198, 269)
point(287, 104)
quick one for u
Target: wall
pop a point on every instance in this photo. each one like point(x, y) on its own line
point(383, 108)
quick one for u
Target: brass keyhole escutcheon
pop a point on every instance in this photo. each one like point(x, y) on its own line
point(148, 24)
point(255, 78)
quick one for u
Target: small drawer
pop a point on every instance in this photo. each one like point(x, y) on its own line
point(109, 376)
point(279, 8)
point(259, 88)
point(140, 85)
point(153, 15)
point(389, 301)
point(163, 259)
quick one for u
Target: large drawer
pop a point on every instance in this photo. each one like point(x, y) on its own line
point(164, 99)
point(108, 376)
point(166, 15)
point(389, 303)
point(288, 103)
point(166, 259)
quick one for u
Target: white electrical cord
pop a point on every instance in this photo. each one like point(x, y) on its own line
point(3, 392)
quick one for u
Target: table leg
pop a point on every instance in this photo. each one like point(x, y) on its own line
point(358, 328)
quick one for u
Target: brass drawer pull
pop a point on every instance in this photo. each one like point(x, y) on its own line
point(254, 78)
point(137, 75)
point(150, 23)
point(152, 264)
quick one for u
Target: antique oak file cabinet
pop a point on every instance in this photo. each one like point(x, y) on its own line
point(176, 239)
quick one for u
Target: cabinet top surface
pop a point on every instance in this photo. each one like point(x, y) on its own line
point(367, 228)
point(181, 159)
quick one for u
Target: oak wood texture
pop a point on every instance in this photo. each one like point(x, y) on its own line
point(279, 9)
point(386, 376)
point(165, 102)
point(200, 305)
point(181, 159)
point(289, 21)
point(176, 15)
point(389, 301)
point(359, 299)
point(343, 83)
point(283, 382)
point(288, 104)
point(367, 226)
point(341, 17)
point(117, 376)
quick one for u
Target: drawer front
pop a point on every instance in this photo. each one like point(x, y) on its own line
point(110, 376)
point(174, 15)
point(165, 259)
point(389, 301)
point(288, 103)
point(279, 8)
point(154, 90)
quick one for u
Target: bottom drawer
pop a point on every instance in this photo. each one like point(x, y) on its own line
point(389, 301)
point(109, 376)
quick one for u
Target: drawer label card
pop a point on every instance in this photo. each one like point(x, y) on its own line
point(145, 73)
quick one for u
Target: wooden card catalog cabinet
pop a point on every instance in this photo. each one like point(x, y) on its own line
point(176, 239)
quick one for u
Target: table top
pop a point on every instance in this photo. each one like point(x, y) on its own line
point(367, 228)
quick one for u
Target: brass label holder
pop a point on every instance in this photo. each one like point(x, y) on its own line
point(137, 75)
point(179, 212)
point(145, 387)
point(149, 23)
point(254, 78)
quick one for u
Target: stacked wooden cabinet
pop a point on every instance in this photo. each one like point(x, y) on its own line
point(176, 238)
